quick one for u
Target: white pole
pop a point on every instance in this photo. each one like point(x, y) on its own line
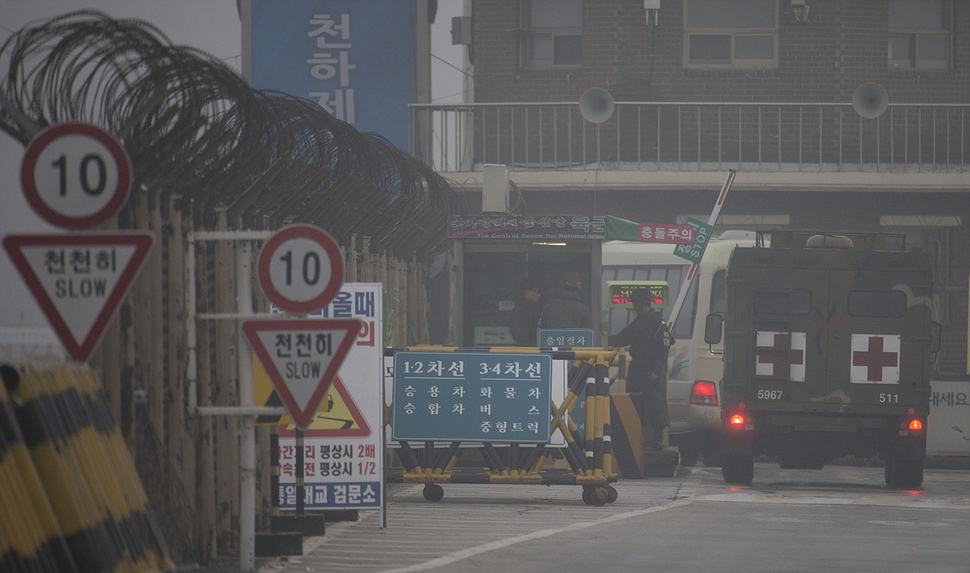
point(247, 424)
point(682, 296)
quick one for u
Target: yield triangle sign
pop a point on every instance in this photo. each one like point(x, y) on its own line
point(79, 280)
point(302, 358)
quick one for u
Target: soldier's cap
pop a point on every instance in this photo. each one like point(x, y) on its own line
point(641, 296)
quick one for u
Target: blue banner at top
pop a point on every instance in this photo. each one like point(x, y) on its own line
point(356, 59)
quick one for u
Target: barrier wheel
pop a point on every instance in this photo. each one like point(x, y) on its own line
point(433, 492)
point(598, 496)
point(611, 493)
point(586, 491)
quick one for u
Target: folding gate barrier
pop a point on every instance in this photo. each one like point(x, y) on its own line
point(589, 454)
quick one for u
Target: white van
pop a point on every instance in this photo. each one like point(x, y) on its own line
point(695, 368)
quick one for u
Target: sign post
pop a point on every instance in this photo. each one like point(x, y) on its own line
point(300, 270)
point(76, 175)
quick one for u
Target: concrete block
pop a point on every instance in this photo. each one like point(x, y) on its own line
point(661, 463)
point(309, 524)
point(279, 544)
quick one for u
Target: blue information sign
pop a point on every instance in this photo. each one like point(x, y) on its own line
point(566, 337)
point(354, 58)
point(472, 396)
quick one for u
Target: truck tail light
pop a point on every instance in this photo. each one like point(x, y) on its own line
point(915, 425)
point(704, 392)
point(739, 421)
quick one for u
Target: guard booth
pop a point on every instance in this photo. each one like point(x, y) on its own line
point(492, 254)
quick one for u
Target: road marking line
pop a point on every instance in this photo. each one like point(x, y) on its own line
point(502, 543)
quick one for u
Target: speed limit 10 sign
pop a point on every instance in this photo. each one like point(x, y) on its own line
point(300, 269)
point(75, 175)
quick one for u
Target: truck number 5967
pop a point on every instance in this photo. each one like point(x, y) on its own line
point(770, 394)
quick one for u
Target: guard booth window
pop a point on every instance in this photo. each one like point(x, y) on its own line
point(491, 288)
point(618, 318)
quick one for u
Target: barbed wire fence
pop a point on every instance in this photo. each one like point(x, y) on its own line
point(210, 153)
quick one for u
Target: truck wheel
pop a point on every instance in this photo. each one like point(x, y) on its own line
point(904, 474)
point(889, 474)
point(738, 469)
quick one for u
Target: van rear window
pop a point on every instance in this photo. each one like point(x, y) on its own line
point(795, 301)
point(888, 303)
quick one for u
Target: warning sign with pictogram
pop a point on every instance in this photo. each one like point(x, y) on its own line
point(343, 443)
point(338, 414)
point(79, 280)
point(301, 358)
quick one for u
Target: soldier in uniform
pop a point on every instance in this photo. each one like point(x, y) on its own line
point(565, 310)
point(528, 309)
point(649, 340)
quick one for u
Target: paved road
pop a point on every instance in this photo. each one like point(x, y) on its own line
point(836, 519)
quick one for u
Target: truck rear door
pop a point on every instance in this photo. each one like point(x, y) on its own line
point(875, 355)
point(789, 336)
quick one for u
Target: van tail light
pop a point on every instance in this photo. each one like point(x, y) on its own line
point(704, 392)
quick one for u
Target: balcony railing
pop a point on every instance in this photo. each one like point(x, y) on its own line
point(785, 137)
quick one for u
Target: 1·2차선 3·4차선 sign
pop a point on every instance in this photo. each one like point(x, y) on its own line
point(75, 175)
point(302, 358)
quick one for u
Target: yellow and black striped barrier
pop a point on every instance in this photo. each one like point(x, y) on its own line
point(94, 515)
point(589, 455)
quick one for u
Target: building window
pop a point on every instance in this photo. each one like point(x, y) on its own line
point(919, 34)
point(731, 33)
point(553, 33)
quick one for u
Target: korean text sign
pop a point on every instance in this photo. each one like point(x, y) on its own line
point(343, 447)
point(472, 396)
point(355, 59)
point(694, 252)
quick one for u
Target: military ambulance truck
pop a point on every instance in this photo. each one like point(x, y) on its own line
point(828, 342)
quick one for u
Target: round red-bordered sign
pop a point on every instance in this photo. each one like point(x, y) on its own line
point(75, 175)
point(300, 269)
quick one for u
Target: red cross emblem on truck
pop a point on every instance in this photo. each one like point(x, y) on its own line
point(875, 359)
point(774, 364)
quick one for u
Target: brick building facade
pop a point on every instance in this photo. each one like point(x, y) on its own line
point(804, 158)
